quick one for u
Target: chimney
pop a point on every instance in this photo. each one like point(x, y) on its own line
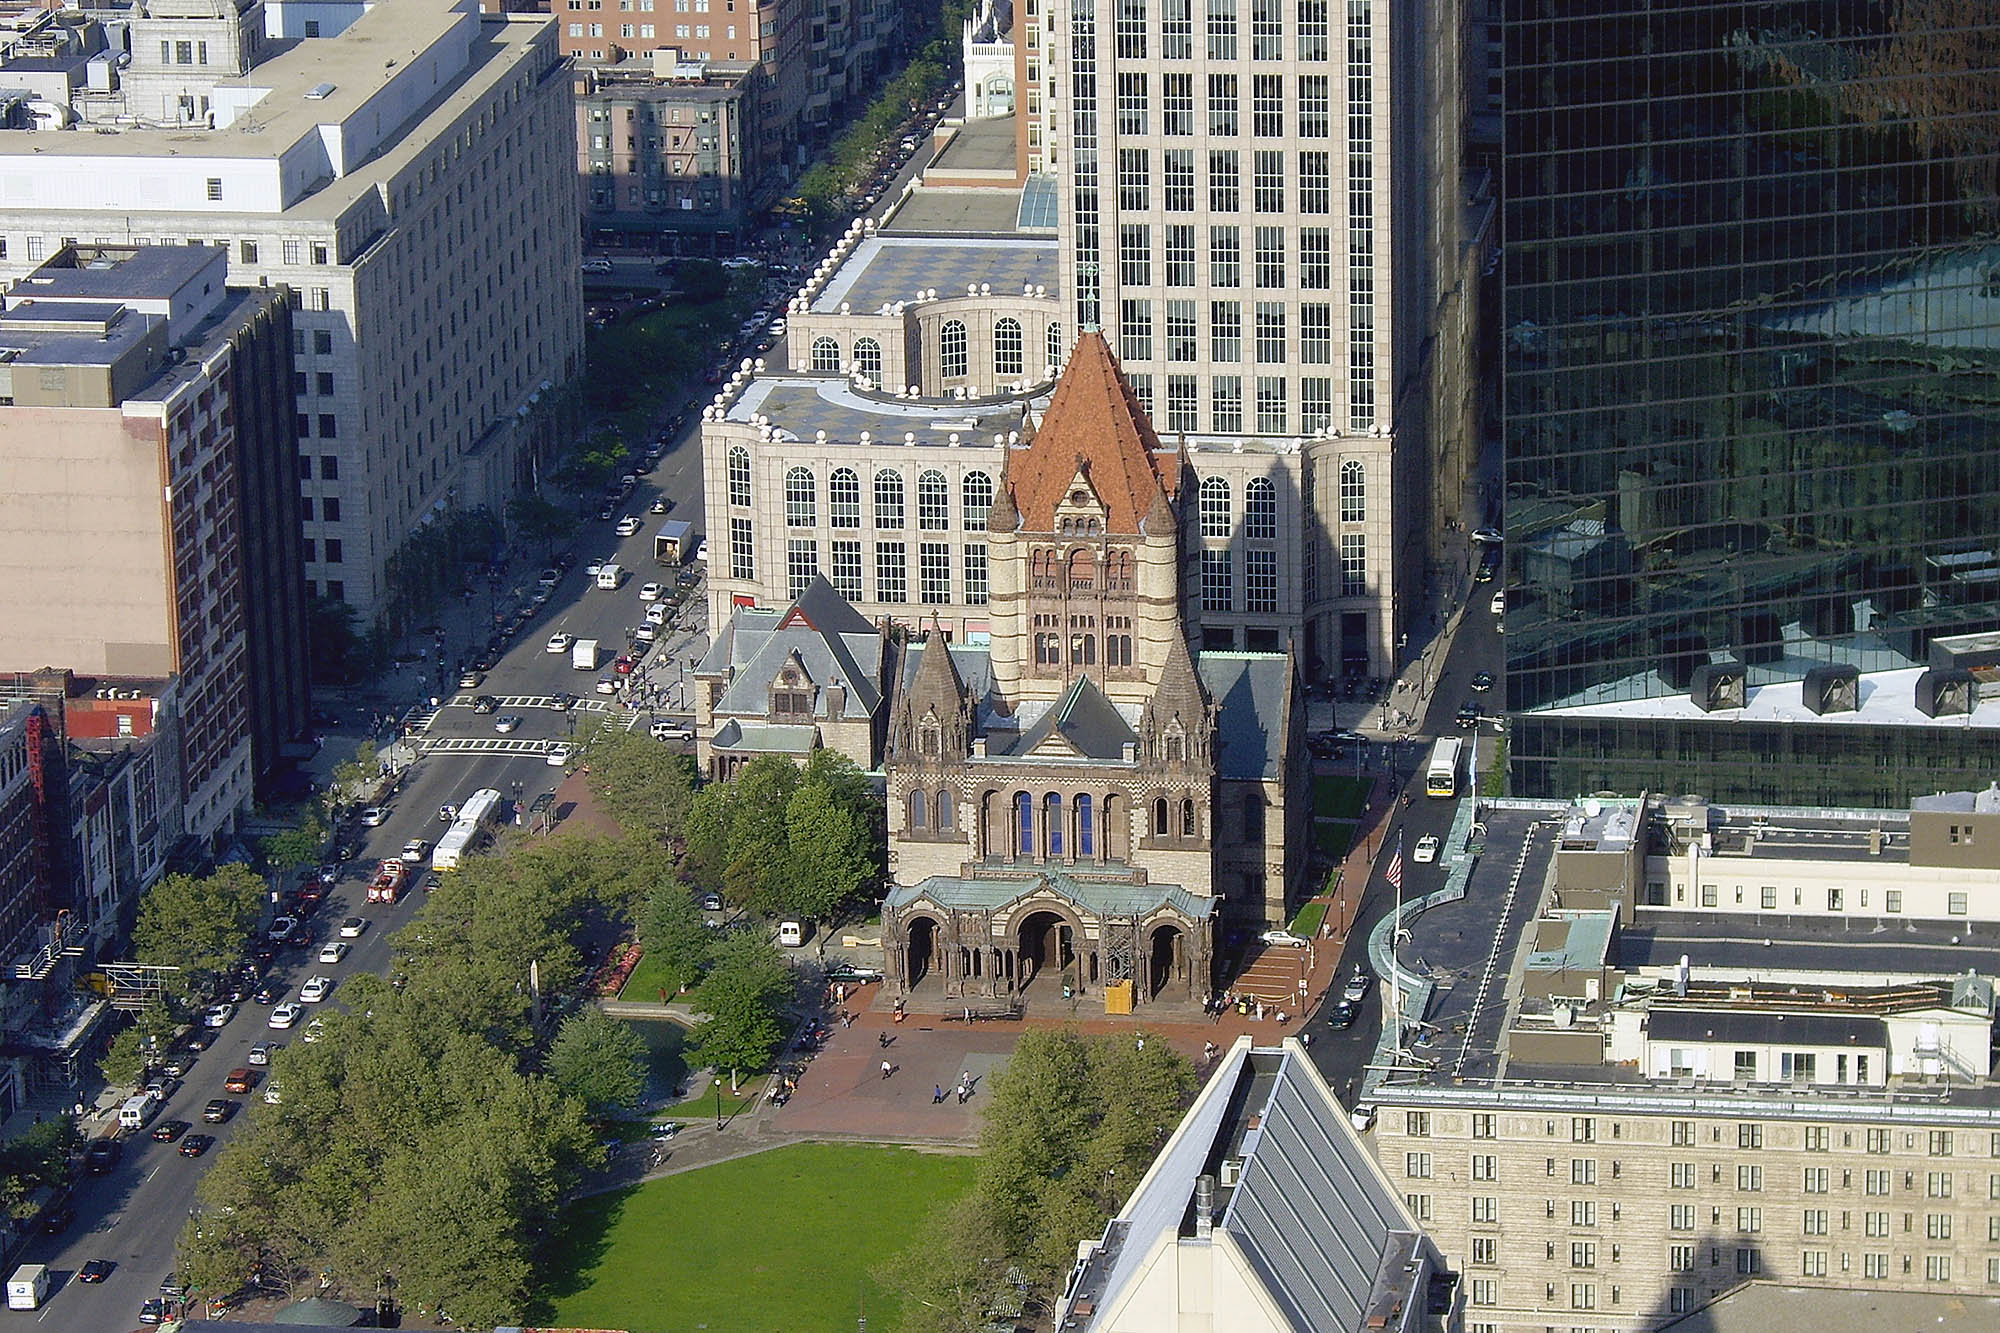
point(1875, 842)
point(1204, 1206)
point(836, 700)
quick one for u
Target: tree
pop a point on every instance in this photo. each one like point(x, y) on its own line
point(638, 781)
point(744, 995)
point(599, 1061)
point(539, 521)
point(35, 1159)
point(700, 281)
point(135, 1050)
point(197, 925)
point(296, 846)
point(357, 777)
point(674, 934)
point(1072, 1123)
point(736, 834)
point(832, 852)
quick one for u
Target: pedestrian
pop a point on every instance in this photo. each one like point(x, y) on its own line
point(887, 1069)
point(963, 1093)
point(937, 1094)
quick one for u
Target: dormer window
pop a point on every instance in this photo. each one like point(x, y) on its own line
point(791, 703)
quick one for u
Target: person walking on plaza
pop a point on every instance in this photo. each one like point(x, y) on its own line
point(887, 1069)
point(937, 1094)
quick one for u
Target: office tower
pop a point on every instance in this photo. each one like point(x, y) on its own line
point(409, 170)
point(1258, 197)
point(1748, 348)
point(137, 408)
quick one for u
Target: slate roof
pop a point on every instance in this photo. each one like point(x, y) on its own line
point(1100, 897)
point(1695, 1025)
point(1253, 690)
point(1089, 724)
point(764, 738)
point(1094, 422)
point(830, 639)
point(1317, 1221)
point(974, 664)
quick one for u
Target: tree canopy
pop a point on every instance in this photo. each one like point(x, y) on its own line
point(1072, 1123)
point(197, 924)
point(674, 934)
point(744, 997)
point(637, 781)
point(777, 839)
point(599, 1061)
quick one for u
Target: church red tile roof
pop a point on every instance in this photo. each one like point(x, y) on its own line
point(1093, 421)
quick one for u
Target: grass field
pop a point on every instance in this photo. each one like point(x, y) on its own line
point(1340, 798)
point(1309, 919)
point(1333, 838)
point(783, 1240)
point(645, 983)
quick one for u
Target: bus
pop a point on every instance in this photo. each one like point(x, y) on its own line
point(1441, 775)
point(475, 817)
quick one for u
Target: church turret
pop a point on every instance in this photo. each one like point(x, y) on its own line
point(1177, 725)
point(932, 722)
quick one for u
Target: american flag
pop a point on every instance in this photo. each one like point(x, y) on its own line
point(1395, 872)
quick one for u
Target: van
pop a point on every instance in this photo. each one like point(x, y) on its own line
point(137, 1111)
point(791, 934)
point(609, 577)
point(28, 1288)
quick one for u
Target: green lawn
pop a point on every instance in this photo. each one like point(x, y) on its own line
point(646, 981)
point(1333, 838)
point(1340, 798)
point(1309, 919)
point(783, 1240)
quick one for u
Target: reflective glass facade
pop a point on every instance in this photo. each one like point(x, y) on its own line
point(1751, 371)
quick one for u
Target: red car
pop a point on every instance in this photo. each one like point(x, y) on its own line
point(624, 666)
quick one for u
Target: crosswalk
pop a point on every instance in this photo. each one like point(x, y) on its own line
point(482, 745)
point(509, 701)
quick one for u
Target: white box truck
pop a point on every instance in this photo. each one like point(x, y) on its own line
point(28, 1288)
point(609, 577)
point(584, 656)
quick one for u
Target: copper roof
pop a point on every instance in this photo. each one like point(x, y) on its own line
point(1095, 424)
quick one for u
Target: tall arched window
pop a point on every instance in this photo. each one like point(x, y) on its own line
point(1082, 569)
point(919, 807)
point(1159, 816)
point(1008, 352)
point(801, 499)
point(975, 500)
point(739, 475)
point(1187, 819)
point(1214, 507)
point(1260, 510)
point(826, 354)
point(1024, 824)
point(843, 498)
point(952, 349)
point(888, 499)
point(1353, 491)
point(1086, 836)
point(933, 502)
point(1052, 820)
point(945, 819)
point(1055, 344)
point(868, 358)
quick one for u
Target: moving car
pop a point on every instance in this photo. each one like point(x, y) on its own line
point(218, 1110)
point(562, 703)
point(217, 1015)
point(101, 1156)
point(507, 722)
point(660, 506)
point(559, 753)
point(1482, 681)
point(628, 526)
point(485, 703)
point(559, 643)
point(261, 1053)
point(351, 928)
point(333, 951)
point(1488, 535)
point(1468, 714)
point(153, 1311)
point(1427, 848)
point(471, 680)
point(1499, 604)
point(1343, 1014)
point(594, 266)
point(1357, 986)
point(95, 1270)
point(1284, 938)
point(315, 989)
point(416, 851)
point(169, 1130)
point(670, 731)
point(194, 1145)
point(284, 1016)
point(239, 1080)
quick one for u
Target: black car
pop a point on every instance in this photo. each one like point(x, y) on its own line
point(178, 1064)
point(1343, 1015)
point(1482, 682)
point(153, 1311)
point(194, 1145)
point(95, 1270)
point(199, 1039)
point(1468, 714)
point(562, 703)
point(268, 993)
point(101, 1156)
point(58, 1219)
point(169, 1130)
point(485, 703)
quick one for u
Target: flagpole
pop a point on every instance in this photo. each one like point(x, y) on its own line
point(1395, 927)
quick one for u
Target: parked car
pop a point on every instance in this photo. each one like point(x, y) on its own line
point(373, 815)
point(1285, 939)
point(597, 266)
point(315, 989)
point(651, 592)
point(559, 753)
point(217, 1015)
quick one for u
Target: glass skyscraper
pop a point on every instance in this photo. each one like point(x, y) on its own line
point(1750, 345)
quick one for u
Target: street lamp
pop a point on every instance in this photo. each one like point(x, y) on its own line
point(718, 1103)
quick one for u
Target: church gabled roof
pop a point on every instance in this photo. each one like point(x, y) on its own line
point(1084, 722)
point(1094, 425)
point(820, 608)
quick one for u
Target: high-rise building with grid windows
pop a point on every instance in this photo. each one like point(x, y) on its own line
point(1259, 198)
point(1751, 293)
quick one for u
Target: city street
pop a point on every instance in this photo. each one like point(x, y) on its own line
point(134, 1215)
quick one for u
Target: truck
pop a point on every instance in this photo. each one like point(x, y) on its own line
point(671, 544)
point(29, 1287)
point(390, 877)
point(585, 655)
point(609, 576)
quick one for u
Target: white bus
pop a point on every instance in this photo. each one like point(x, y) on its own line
point(1441, 775)
point(475, 817)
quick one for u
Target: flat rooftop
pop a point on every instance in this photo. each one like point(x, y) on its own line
point(886, 269)
point(71, 333)
point(971, 210)
point(1767, 1307)
point(979, 145)
point(138, 273)
point(803, 405)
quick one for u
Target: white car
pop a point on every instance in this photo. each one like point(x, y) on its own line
point(284, 1015)
point(651, 592)
point(628, 526)
point(656, 614)
point(353, 927)
point(595, 266)
point(670, 731)
point(1427, 849)
point(559, 753)
point(333, 951)
point(217, 1015)
point(315, 989)
point(1499, 603)
point(274, 1093)
point(645, 634)
point(1285, 938)
point(560, 643)
point(701, 550)
point(607, 685)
